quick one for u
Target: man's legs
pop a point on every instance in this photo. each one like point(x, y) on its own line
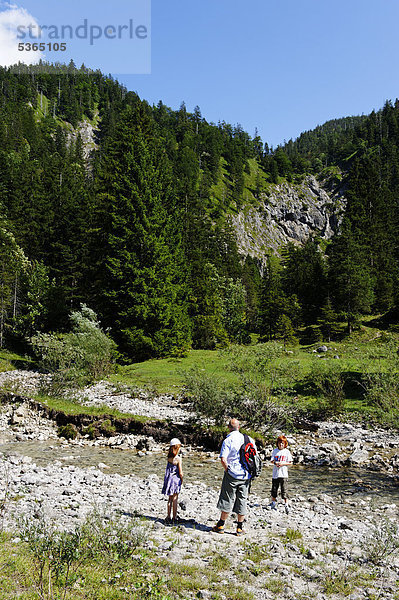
point(240, 504)
point(225, 502)
point(234, 494)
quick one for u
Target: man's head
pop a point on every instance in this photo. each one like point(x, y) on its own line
point(234, 424)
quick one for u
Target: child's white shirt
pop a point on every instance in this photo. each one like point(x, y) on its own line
point(281, 456)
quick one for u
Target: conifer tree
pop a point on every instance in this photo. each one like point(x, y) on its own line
point(141, 270)
point(350, 277)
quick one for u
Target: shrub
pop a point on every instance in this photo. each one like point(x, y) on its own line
point(211, 397)
point(58, 555)
point(381, 383)
point(68, 431)
point(381, 542)
point(252, 401)
point(260, 408)
point(252, 359)
point(79, 357)
point(112, 536)
point(327, 379)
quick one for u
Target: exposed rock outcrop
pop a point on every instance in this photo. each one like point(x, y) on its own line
point(288, 213)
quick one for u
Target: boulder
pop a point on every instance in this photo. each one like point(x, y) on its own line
point(19, 415)
point(331, 447)
point(358, 457)
point(322, 349)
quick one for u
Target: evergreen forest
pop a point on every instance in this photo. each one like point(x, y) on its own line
point(129, 215)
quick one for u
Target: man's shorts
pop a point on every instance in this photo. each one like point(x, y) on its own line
point(233, 495)
point(280, 482)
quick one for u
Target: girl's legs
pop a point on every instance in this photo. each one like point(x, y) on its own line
point(174, 503)
point(284, 494)
point(170, 501)
point(275, 486)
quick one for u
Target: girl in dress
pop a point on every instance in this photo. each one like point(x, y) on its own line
point(173, 479)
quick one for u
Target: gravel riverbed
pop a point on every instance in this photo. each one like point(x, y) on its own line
point(325, 538)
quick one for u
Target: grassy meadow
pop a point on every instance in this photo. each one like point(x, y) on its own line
point(356, 377)
point(348, 370)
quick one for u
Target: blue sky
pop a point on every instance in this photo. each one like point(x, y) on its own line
point(282, 66)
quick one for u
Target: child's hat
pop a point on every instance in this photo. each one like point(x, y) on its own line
point(175, 442)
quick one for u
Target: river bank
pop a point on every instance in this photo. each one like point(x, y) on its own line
point(295, 552)
point(321, 549)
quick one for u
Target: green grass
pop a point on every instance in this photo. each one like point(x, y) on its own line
point(367, 349)
point(70, 407)
point(166, 374)
point(291, 535)
point(10, 361)
point(275, 585)
point(103, 579)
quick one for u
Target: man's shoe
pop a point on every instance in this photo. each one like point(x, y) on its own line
point(272, 505)
point(218, 529)
point(240, 531)
point(168, 521)
point(287, 510)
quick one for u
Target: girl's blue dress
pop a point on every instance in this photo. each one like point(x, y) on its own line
point(172, 481)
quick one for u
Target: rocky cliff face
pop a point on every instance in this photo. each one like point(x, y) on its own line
point(288, 213)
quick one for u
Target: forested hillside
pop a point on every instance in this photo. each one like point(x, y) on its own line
point(108, 201)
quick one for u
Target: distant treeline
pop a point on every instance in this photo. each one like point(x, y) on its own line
point(138, 228)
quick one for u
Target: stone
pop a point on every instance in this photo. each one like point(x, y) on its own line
point(331, 447)
point(313, 499)
point(322, 348)
point(19, 415)
point(358, 457)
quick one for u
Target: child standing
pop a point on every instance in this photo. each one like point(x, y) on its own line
point(173, 479)
point(281, 459)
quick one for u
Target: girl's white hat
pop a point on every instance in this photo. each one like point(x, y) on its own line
point(175, 442)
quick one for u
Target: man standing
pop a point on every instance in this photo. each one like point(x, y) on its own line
point(236, 480)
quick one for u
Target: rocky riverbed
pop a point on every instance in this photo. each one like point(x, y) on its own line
point(322, 549)
point(296, 553)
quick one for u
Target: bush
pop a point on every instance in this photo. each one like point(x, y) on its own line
point(69, 431)
point(79, 357)
point(252, 401)
point(260, 408)
point(255, 359)
point(381, 542)
point(381, 383)
point(211, 397)
point(112, 536)
point(58, 555)
point(327, 379)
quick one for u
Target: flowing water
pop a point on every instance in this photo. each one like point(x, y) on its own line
point(353, 483)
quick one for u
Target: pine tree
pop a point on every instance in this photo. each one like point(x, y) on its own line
point(271, 306)
point(143, 275)
point(350, 278)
